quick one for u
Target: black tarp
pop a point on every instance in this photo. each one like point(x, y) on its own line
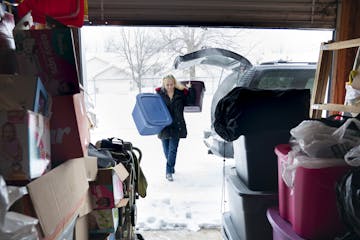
point(247, 111)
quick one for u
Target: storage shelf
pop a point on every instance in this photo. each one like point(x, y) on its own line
point(323, 72)
point(337, 107)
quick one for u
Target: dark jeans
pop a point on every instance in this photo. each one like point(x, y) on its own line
point(170, 150)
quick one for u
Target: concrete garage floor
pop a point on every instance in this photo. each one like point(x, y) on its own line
point(203, 234)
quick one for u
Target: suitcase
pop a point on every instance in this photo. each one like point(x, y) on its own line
point(199, 88)
point(150, 114)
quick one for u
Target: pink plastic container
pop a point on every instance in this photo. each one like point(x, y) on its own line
point(282, 229)
point(310, 206)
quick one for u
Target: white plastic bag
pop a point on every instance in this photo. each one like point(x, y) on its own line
point(318, 140)
point(14, 226)
point(298, 159)
point(314, 138)
point(352, 157)
point(352, 95)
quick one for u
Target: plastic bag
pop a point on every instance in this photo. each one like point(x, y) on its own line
point(352, 157)
point(352, 95)
point(104, 157)
point(298, 159)
point(348, 201)
point(321, 141)
point(14, 226)
point(314, 138)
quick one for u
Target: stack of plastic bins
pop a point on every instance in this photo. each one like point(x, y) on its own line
point(228, 230)
point(255, 160)
point(282, 229)
point(310, 205)
point(247, 210)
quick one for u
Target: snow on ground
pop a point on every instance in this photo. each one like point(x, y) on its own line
point(195, 199)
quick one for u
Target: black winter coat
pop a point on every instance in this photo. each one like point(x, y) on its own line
point(181, 98)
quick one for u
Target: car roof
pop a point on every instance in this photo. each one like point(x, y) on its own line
point(286, 65)
point(213, 56)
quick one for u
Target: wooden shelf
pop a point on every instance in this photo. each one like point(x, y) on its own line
point(337, 107)
point(322, 76)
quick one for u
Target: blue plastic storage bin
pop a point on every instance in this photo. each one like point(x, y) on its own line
point(150, 114)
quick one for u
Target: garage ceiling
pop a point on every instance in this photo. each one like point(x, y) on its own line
point(303, 14)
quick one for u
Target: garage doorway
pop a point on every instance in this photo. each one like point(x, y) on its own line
point(196, 198)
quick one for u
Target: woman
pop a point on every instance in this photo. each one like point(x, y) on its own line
point(175, 96)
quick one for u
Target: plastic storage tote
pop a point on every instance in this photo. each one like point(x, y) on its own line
point(255, 160)
point(310, 205)
point(228, 230)
point(282, 229)
point(248, 209)
point(199, 88)
point(150, 114)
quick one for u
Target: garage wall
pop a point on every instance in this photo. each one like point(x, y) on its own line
point(242, 13)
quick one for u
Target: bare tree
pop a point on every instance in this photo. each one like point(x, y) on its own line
point(141, 51)
point(183, 40)
point(150, 50)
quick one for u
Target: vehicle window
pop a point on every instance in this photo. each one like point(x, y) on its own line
point(285, 79)
point(245, 79)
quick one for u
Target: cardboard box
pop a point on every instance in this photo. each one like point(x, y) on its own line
point(81, 228)
point(24, 145)
point(58, 196)
point(23, 92)
point(70, 134)
point(8, 62)
point(103, 220)
point(25, 206)
point(48, 53)
point(107, 190)
point(103, 236)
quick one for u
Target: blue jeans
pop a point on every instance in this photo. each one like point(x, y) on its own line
point(170, 150)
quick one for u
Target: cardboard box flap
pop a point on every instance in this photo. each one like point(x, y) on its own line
point(8, 104)
point(23, 92)
point(122, 203)
point(121, 171)
point(58, 195)
point(91, 168)
point(86, 207)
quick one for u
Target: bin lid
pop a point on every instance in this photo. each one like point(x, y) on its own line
point(154, 109)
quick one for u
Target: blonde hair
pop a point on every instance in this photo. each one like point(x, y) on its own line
point(176, 83)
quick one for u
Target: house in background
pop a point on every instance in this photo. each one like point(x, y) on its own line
point(104, 76)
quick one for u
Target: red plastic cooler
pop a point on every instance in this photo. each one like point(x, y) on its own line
point(310, 206)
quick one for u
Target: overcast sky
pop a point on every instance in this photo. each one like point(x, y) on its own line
point(265, 44)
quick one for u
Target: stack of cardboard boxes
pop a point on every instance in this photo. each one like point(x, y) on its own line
point(44, 140)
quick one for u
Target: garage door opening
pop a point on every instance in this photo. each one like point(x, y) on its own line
point(120, 62)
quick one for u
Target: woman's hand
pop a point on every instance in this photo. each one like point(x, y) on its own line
point(188, 85)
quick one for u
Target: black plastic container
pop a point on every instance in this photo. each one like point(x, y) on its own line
point(248, 210)
point(228, 231)
point(256, 161)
